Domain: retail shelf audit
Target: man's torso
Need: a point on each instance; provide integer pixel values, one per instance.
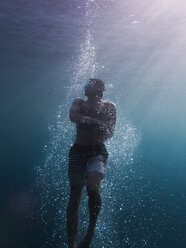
(91, 134)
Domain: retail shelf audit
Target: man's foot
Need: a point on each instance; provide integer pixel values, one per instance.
(83, 244)
(86, 240)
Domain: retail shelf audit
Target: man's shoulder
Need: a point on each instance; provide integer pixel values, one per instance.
(109, 104)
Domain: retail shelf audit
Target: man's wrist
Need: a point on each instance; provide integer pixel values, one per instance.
(85, 120)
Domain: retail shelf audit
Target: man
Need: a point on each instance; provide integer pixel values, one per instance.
(95, 122)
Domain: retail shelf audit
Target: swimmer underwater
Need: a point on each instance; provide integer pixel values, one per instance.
(95, 123)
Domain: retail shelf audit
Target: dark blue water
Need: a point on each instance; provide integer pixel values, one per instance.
(48, 50)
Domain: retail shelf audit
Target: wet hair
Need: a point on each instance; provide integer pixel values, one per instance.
(99, 86)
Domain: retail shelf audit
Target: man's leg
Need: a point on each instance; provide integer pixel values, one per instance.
(72, 215)
(94, 203)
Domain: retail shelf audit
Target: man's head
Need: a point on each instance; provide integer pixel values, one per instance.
(94, 88)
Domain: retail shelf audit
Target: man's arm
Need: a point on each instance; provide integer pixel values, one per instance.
(75, 115)
(111, 119)
(107, 126)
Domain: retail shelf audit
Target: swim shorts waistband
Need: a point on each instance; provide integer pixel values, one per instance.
(89, 148)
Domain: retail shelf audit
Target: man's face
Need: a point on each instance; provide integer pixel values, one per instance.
(90, 89)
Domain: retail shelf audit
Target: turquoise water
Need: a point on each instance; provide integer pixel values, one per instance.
(48, 50)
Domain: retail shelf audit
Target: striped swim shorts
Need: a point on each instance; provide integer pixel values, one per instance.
(84, 159)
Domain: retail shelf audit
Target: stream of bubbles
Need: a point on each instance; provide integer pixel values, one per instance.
(51, 175)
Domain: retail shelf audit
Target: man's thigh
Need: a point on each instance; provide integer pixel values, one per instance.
(76, 168)
(93, 180)
(75, 194)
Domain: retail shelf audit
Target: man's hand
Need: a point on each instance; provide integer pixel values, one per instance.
(75, 115)
(101, 124)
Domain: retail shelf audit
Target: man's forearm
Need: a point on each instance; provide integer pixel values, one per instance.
(79, 118)
(102, 126)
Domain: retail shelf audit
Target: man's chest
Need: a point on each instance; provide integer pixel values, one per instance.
(93, 110)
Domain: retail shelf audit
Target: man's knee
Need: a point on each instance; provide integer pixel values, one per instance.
(93, 181)
(94, 194)
(94, 202)
(75, 196)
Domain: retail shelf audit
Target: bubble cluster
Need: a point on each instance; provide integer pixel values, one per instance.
(51, 175)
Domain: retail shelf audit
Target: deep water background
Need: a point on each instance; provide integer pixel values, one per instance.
(48, 49)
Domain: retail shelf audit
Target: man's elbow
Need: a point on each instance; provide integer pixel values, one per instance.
(110, 134)
(72, 117)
